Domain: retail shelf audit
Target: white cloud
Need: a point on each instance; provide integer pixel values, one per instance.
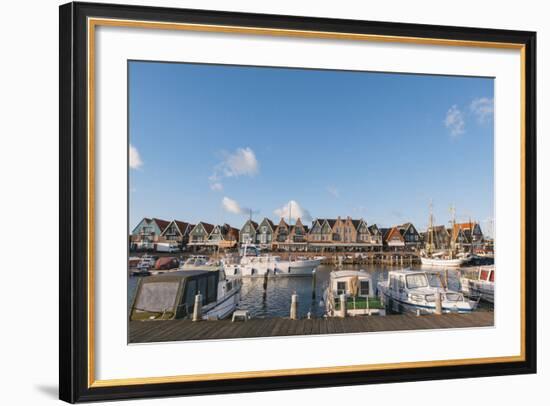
(232, 206)
(217, 186)
(333, 191)
(135, 158)
(293, 209)
(483, 108)
(454, 121)
(242, 162)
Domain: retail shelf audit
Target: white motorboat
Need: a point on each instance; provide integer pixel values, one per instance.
(174, 296)
(356, 288)
(412, 291)
(199, 263)
(481, 285)
(146, 263)
(252, 264)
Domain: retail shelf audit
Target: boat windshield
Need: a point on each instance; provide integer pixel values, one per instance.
(418, 280)
(157, 296)
(454, 297)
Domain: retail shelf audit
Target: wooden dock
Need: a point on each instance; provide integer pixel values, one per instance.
(184, 330)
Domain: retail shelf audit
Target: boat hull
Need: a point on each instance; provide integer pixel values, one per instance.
(474, 288)
(443, 263)
(224, 307)
(275, 268)
(446, 306)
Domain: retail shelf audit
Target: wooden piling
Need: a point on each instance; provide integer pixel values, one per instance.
(294, 307)
(343, 305)
(438, 305)
(197, 309)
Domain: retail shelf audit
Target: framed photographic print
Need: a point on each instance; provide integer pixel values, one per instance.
(258, 202)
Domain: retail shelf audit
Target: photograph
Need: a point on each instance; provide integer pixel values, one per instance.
(285, 201)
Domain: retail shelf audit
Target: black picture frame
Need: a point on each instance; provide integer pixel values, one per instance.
(74, 200)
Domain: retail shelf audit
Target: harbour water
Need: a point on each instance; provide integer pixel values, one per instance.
(271, 298)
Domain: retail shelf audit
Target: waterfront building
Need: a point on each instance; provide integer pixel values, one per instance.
(281, 232)
(410, 236)
(376, 236)
(323, 231)
(291, 237)
(264, 233)
(441, 237)
(298, 232)
(223, 236)
(247, 234)
(147, 233)
(393, 239)
(343, 234)
(464, 235)
(199, 234)
(177, 231)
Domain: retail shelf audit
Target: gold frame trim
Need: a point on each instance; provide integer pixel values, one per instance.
(94, 22)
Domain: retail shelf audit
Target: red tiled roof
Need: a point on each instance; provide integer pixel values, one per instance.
(182, 225)
(161, 223)
(207, 226)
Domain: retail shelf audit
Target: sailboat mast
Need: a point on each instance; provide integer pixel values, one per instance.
(430, 247)
(289, 221)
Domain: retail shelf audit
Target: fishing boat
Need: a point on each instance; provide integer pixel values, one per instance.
(356, 288)
(415, 291)
(444, 258)
(480, 285)
(174, 296)
(251, 263)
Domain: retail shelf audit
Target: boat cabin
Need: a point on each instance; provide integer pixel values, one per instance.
(351, 283)
(486, 273)
(173, 296)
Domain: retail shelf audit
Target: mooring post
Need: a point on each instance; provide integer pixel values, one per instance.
(446, 279)
(343, 305)
(438, 306)
(313, 283)
(197, 310)
(294, 307)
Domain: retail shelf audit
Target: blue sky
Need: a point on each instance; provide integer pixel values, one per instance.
(213, 142)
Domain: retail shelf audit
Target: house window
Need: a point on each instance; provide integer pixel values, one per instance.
(364, 288)
(340, 288)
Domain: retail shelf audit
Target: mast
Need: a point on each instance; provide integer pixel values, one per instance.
(430, 245)
(289, 221)
(453, 226)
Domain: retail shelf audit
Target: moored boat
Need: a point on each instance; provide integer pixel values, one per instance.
(446, 258)
(443, 261)
(199, 263)
(174, 296)
(252, 264)
(481, 285)
(356, 289)
(413, 291)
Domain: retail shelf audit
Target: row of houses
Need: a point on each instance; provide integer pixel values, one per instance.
(153, 231)
(323, 234)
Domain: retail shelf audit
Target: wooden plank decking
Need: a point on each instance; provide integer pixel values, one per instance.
(184, 330)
